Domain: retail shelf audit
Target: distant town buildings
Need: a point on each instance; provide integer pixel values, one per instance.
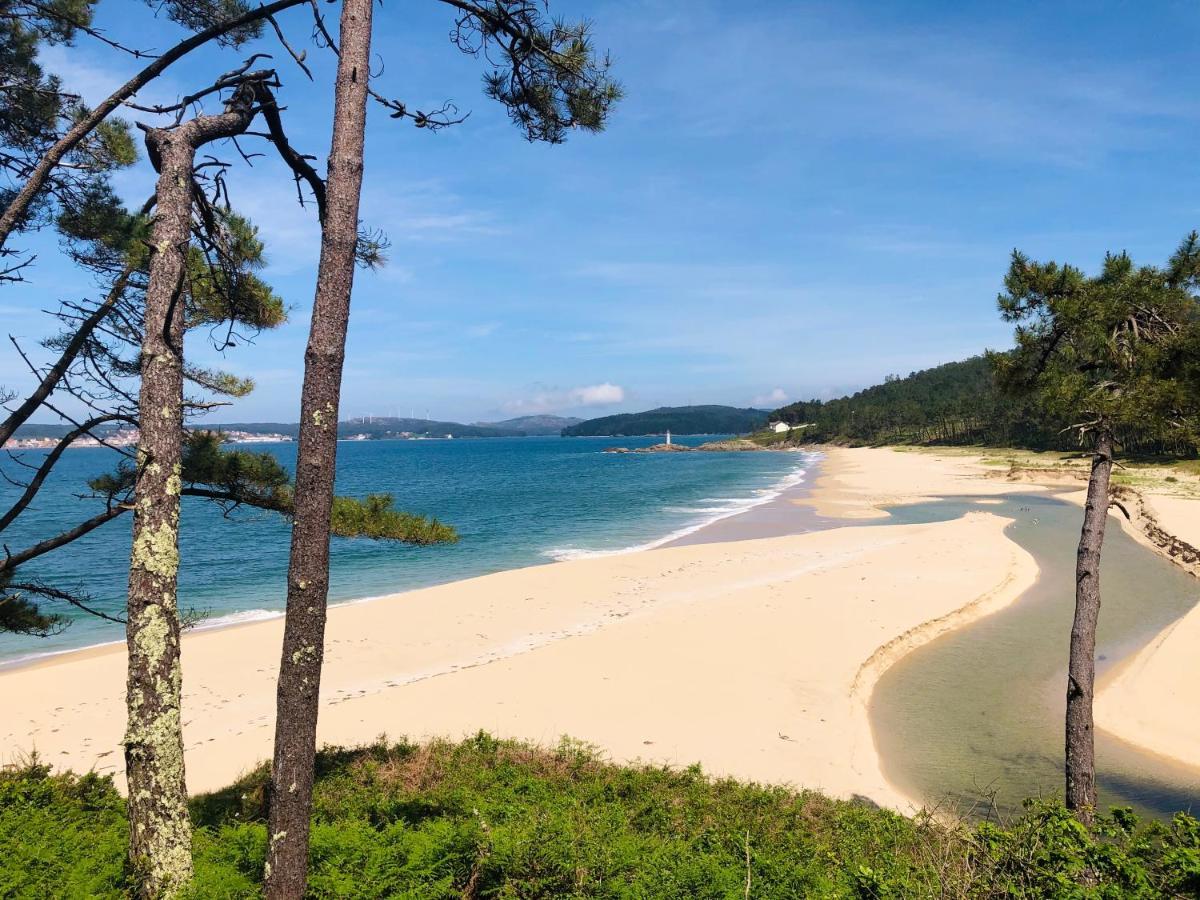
(128, 437)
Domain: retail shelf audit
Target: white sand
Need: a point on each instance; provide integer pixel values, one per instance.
(754, 658)
(1153, 699)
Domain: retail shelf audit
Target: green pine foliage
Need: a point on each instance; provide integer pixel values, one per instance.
(490, 818)
(550, 76)
(955, 403)
(35, 110)
(1114, 352)
(375, 517)
(232, 291)
(233, 478)
(197, 15)
(19, 614)
(1120, 348)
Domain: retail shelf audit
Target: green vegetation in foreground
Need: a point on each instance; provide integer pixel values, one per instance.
(676, 419)
(488, 818)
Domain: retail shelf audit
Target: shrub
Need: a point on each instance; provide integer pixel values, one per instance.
(490, 818)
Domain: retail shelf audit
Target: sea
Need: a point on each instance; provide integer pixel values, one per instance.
(515, 502)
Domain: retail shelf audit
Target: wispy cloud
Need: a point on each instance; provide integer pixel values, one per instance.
(483, 329)
(85, 74)
(963, 87)
(776, 397)
(426, 211)
(554, 400)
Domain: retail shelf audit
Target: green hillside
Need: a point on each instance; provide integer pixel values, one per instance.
(958, 402)
(955, 403)
(676, 419)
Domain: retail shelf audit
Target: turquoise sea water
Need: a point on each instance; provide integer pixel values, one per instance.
(515, 501)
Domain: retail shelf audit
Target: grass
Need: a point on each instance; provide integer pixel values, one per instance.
(771, 439)
(1159, 475)
(489, 818)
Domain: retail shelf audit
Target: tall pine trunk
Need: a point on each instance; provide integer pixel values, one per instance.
(299, 685)
(160, 836)
(1081, 672)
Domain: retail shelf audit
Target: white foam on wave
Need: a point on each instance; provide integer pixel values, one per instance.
(719, 508)
(238, 618)
(15, 661)
(729, 507)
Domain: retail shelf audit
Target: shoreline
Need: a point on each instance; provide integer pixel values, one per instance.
(1146, 699)
(736, 509)
(780, 491)
(578, 647)
(774, 492)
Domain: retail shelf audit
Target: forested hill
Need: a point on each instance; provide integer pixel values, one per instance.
(955, 403)
(676, 419)
(540, 425)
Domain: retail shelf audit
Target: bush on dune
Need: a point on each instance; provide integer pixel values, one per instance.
(489, 818)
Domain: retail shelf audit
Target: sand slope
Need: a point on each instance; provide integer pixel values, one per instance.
(1152, 700)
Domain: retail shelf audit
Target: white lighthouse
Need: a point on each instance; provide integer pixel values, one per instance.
(668, 437)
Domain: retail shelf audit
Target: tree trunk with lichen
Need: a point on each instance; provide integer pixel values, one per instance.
(1081, 672)
(160, 838)
(298, 692)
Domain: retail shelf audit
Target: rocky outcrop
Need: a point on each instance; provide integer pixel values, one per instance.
(727, 446)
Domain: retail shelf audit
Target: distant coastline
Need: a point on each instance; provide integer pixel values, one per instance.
(511, 516)
(685, 420)
(129, 438)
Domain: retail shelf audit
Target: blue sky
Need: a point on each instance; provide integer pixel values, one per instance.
(794, 200)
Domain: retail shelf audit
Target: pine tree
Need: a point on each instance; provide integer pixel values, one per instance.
(1113, 354)
(552, 82)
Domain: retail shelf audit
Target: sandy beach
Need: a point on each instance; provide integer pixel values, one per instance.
(1151, 700)
(755, 658)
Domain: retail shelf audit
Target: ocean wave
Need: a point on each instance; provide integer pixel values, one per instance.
(738, 505)
(729, 507)
(14, 661)
(238, 618)
(704, 512)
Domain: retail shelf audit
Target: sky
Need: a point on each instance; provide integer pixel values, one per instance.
(793, 200)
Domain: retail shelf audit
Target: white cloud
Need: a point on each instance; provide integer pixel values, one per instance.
(604, 394)
(597, 394)
(777, 397)
(426, 211)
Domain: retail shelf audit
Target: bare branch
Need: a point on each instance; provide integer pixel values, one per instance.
(20, 204)
(48, 463)
(56, 372)
(45, 590)
(12, 560)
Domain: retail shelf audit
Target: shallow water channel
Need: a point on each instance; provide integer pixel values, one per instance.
(979, 712)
